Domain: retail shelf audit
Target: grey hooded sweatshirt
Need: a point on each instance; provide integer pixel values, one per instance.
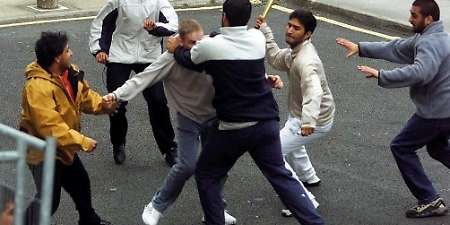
(427, 72)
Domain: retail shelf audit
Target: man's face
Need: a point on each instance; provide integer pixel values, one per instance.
(295, 33)
(189, 40)
(417, 20)
(64, 60)
(7, 216)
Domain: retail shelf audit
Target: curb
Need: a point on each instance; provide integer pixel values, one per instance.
(49, 16)
(373, 21)
(65, 14)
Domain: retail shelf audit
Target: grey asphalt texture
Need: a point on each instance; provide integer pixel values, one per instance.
(361, 184)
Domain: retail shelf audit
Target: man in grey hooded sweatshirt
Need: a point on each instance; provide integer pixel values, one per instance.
(427, 74)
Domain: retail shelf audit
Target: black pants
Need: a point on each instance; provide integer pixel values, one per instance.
(116, 75)
(262, 141)
(75, 181)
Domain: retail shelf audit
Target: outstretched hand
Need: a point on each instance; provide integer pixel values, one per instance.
(369, 71)
(352, 48)
(109, 103)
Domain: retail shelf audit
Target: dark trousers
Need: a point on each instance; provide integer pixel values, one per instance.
(75, 181)
(116, 75)
(420, 132)
(262, 141)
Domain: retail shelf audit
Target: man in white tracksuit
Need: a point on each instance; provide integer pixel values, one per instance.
(126, 36)
(311, 104)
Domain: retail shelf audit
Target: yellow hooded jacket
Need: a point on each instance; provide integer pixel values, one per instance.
(47, 110)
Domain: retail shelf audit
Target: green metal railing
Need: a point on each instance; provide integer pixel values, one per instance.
(24, 140)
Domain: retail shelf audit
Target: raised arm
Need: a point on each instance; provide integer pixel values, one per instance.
(154, 73)
(424, 68)
(275, 56)
(167, 23)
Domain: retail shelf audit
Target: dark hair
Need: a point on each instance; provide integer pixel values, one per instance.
(6, 196)
(306, 18)
(428, 8)
(238, 12)
(49, 46)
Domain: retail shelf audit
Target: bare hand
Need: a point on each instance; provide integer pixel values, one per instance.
(149, 24)
(351, 47)
(369, 71)
(101, 57)
(260, 21)
(109, 103)
(275, 81)
(172, 43)
(92, 144)
(306, 131)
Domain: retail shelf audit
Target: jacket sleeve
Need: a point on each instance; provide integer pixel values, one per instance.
(41, 107)
(312, 94)
(168, 20)
(425, 67)
(396, 51)
(103, 27)
(154, 73)
(275, 56)
(184, 58)
(91, 101)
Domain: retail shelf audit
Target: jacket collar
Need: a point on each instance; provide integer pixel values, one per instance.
(435, 27)
(233, 30)
(299, 47)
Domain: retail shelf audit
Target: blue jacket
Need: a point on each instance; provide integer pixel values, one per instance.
(427, 72)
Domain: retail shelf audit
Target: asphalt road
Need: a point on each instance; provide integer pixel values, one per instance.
(361, 184)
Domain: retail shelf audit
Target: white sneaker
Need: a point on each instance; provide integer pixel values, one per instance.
(229, 219)
(150, 215)
(288, 213)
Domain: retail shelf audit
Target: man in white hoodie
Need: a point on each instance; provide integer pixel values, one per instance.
(126, 36)
(311, 105)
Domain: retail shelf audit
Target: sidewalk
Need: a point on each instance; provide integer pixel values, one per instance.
(396, 11)
(14, 11)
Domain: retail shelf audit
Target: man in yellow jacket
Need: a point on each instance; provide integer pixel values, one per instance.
(53, 98)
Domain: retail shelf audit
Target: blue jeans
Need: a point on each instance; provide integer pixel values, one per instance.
(417, 133)
(188, 133)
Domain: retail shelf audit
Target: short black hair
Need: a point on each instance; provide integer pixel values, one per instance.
(49, 46)
(428, 8)
(238, 12)
(306, 18)
(6, 196)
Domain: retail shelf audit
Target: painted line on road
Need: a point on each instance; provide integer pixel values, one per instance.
(92, 17)
(344, 25)
(277, 7)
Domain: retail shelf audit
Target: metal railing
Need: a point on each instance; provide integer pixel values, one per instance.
(19, 155)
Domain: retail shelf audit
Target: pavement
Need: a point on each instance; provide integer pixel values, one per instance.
(361, 184)
(379, 13)
(386, 12)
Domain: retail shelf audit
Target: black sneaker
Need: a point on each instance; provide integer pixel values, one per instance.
(171, 156)
(315, 184)
(434, 208)
(119, 154)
